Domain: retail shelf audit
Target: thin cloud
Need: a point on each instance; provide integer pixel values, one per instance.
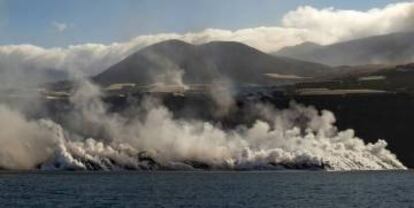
(60, 26)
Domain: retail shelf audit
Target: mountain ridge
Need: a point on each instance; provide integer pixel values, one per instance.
(394, 48)
(204, 63)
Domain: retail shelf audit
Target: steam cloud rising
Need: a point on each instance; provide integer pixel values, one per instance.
(298, 137)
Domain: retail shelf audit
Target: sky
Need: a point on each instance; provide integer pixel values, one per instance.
(59, 23)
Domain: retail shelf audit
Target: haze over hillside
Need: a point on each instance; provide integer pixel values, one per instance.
(205, 63)
(29, 77)
(395, 48)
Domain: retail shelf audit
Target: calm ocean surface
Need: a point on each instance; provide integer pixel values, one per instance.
(208, 189)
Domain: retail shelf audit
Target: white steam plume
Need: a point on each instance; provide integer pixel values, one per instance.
(222, 93)
(298, 137)
(170, 77)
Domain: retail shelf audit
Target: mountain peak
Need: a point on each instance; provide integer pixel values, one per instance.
(171, 42)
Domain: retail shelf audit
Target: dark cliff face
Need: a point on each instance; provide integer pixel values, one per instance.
(203, 63)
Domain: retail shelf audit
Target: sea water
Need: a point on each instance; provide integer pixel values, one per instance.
(208, 189)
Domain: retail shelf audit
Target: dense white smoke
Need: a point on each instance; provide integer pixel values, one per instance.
(24, 144)
(323, 26)
(298, 137)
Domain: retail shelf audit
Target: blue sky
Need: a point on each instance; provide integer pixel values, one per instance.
(105, 21)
